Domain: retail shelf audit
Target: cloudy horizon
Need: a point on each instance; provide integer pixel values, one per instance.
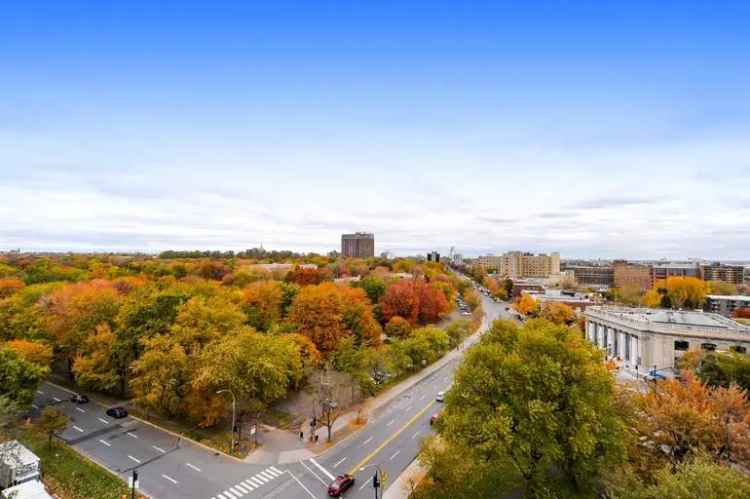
(588, 131)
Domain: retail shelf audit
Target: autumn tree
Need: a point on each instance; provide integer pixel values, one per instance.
(472, 299)
(374, 286)
(161, 376)
(327, 313)
(724, 369)
(305, 276)
(558, 313)
(538, 403)
(682, 292)
(721, 288)
(398, 327)
(400, 299)
(38, 352)
(52, 421)
(458, 330)
(688, 416)
(526, 305)
(10, 286)
(262, 302)
(202, 320)
(95, 367)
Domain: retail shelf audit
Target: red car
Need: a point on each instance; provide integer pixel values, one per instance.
(434, 418)
(340, 485)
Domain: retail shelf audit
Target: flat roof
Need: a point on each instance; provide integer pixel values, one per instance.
(690, 318)
(729, 297)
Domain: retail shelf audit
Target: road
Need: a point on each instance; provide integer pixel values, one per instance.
(170, 468)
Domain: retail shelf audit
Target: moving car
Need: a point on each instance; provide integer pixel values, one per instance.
(117, 412)
(434, 418)
(340, 485)
(79, 398)
(440, 397)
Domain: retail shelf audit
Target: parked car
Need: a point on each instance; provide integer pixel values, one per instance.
(79, 398)
(340, 485)
(117, 412)
(440, 397)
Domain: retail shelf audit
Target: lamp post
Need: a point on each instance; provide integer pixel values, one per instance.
(234, 411)
(376, 481)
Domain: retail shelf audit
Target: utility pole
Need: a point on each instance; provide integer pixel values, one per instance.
(134, 484)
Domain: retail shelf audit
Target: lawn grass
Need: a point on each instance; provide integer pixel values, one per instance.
(70, 475)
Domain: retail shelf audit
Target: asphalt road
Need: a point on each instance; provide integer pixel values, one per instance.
(172, 469)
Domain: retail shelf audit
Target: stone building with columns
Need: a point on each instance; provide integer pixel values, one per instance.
(644, 339)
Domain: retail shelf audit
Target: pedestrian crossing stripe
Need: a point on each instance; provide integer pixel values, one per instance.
(246, 486)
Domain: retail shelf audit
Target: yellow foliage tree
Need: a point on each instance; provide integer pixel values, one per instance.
(526, 305)
(37, 352)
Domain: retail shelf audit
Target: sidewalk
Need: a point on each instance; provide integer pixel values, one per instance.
(406, 482)
(282, 447)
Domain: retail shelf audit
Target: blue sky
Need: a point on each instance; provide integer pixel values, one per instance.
(590, 128)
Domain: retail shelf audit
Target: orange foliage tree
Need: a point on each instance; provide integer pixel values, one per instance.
(37, 352)
(689, 416)
(306, 276)
(326, 313)
(526, 305)
(10, 286)
(262, 302)
(559, 313)
(415, 300)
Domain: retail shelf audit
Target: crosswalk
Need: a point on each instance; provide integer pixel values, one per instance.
(246, 486)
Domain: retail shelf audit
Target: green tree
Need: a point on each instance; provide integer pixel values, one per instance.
(538, 401)
(51, 421)
(19, 379)
(374, 286)
(161, 376)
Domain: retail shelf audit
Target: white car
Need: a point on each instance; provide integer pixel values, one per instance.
(440, 397)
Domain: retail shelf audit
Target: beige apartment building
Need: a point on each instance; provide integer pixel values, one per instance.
(628, 274)
(517, 264)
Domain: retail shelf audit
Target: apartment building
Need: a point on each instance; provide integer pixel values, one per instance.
(358, 245)
(593, 275)
(518, 265)
(627, 274)
(734, 274)
(726, 305)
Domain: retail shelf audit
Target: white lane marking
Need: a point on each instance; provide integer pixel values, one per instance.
(132, 435)
(339, 461)
(272, 472)
(391, 422)
(249, 484)
(257, 482)
(276, 469)
(415, 435)
(367, 482)
(56, 399)
(80, 410)
(159, 449)
(40, 392)
(134, 459)
(366, 442)
(230, 495)
(105, 443)
(327, 473)
(193, 467)
(394, 455)
(313, 473)
(300, 484)
(267, 475)
(408, 409)
(78, 429)
(103, 420)
(35, 406)
(261, 478)
(167, 477)
(422, 397)
(236, 491)
(221, 496)
(241, 488)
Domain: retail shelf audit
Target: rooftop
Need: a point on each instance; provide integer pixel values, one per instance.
(729, 297)
(688, 319)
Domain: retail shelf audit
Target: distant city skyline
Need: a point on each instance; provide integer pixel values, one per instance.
(594, 131)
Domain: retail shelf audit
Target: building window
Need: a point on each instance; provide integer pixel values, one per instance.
(681, 346)
(738, 349)
(708, 346)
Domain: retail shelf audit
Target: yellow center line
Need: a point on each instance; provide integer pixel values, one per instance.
(389, 439)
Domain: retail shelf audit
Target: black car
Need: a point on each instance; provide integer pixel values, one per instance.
(117, 412)
(79, 398)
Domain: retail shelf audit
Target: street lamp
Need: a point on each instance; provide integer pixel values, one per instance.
(234, 411)
(376, 481)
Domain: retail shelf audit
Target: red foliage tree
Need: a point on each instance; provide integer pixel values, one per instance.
(307, 276)
(415, 300)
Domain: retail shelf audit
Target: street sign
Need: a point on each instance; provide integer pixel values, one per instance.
(130, 483)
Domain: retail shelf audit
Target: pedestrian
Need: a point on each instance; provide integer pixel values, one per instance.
(316, 438)
(301, 435)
